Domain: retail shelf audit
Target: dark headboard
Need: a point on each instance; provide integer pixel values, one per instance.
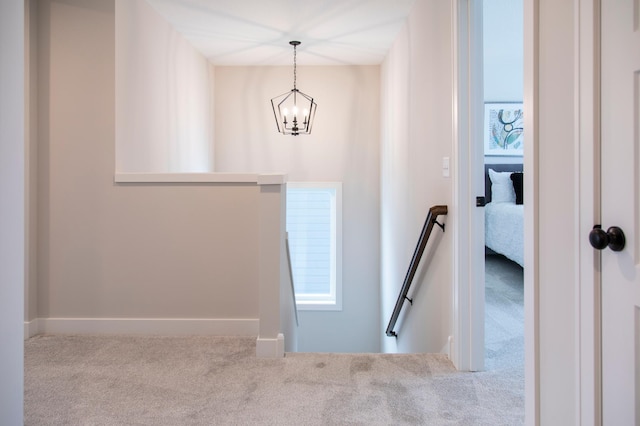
(497, 168)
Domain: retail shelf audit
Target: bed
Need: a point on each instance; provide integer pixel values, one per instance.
(504, 211)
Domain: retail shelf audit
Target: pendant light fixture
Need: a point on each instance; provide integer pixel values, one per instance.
(294, 111)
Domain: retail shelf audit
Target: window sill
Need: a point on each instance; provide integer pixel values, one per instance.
(315, 306)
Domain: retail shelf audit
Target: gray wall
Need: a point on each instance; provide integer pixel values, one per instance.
(122, 250)
(416, 134)
(503, 50)
(344, 146)
(503, 57)
(163, 106)
(184, 251)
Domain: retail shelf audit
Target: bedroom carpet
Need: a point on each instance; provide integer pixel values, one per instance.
(504, 315)
(134, 380)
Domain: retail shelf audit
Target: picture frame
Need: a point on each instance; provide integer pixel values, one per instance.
(504, 129)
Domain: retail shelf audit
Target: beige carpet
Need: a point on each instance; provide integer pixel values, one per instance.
(125, 380)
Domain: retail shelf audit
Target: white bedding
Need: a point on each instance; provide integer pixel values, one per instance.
(504, 230)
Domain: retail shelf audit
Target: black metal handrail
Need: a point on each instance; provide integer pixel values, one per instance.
(431, 220)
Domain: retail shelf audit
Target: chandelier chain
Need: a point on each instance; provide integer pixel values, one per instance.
(294, 66)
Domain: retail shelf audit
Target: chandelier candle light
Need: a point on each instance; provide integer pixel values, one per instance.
(288, 107)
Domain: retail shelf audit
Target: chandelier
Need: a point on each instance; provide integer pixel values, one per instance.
(294, 110)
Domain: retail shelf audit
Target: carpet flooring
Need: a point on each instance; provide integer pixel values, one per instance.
(504, 314)
(141, 380)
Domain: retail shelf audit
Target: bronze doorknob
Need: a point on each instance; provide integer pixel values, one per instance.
(613, 238)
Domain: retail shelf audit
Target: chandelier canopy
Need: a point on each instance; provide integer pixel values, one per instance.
(294, 111)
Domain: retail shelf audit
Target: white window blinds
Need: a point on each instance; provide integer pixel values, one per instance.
(313, 228)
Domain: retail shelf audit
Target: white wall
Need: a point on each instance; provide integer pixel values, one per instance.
(417, 128)
(125, 250)
(163, 108)
(503, 50)
(12, 209)
(344, 146)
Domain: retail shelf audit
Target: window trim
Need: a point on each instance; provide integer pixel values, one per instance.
(320, 302)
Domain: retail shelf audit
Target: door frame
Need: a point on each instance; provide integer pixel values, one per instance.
(13, 198)
(467, 348)
(587, 175)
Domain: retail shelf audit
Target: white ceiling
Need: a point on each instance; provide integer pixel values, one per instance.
(257, 32)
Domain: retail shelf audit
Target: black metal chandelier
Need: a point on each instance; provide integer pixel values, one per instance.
(294, 110)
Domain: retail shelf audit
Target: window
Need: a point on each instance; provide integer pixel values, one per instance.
(314, 228)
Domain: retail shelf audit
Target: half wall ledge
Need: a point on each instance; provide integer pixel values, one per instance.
(270, 188)
(256, 178)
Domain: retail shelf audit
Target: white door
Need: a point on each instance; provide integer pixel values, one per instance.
(620, 206)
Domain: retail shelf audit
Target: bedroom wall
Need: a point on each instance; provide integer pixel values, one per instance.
(503, 50)
(344, 146)
(416, 88)
(163, 96)
(126, 250)
(503, 57)
(503, 53)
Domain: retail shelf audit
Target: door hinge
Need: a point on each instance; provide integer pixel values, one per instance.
(480, 202)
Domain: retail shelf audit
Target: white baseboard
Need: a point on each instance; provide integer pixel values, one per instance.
(31, 328)
(270, 348)
(149, 326)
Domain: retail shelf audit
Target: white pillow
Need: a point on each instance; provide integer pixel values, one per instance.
(501, 187)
